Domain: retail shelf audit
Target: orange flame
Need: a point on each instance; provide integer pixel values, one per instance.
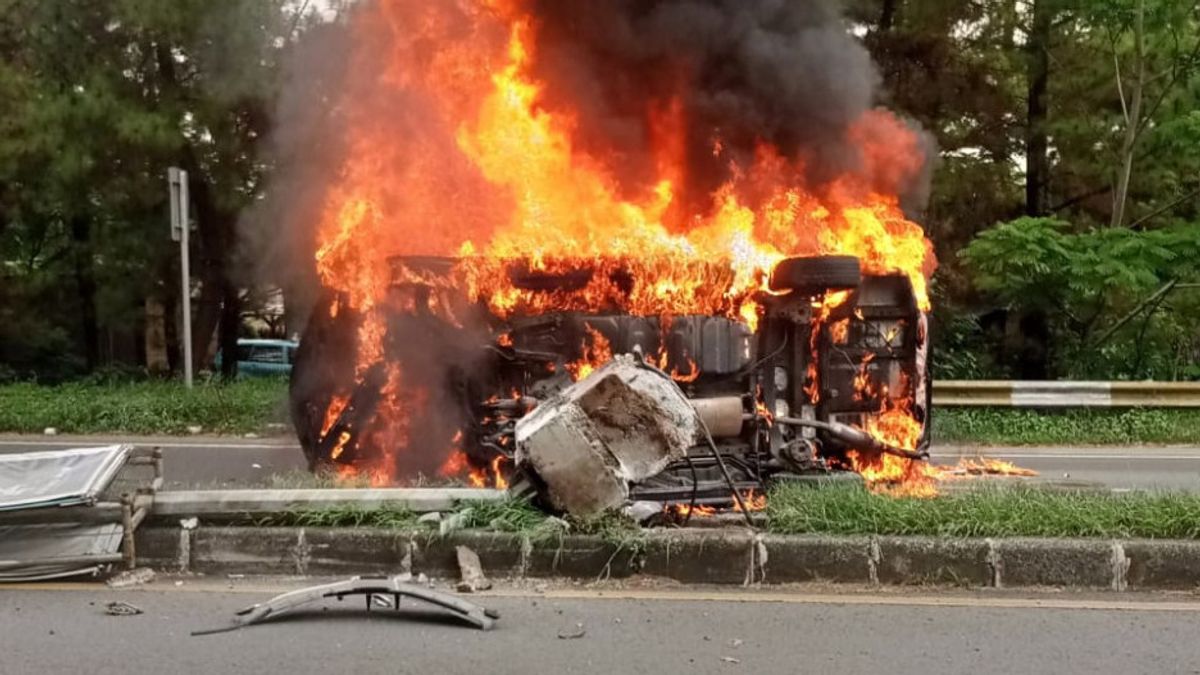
(537, 196)
(597, 351)
(486, 174)
(336, 405)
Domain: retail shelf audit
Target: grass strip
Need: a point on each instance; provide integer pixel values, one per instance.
(147, 407)
(1007, 426)
(513, 515)
(344, 515)
(986, 512)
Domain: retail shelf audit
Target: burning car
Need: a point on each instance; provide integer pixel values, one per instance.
(832, 377)
(525, 190)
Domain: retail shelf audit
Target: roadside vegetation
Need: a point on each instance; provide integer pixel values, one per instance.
(144, 407)
(1006, 426)
(255, 405)
(1063, 211)
(507, 515)
(986, 512)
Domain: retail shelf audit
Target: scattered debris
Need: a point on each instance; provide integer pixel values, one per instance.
(730, 659)
(390, 589)
(134, 577)
(189, 523)
(118, 608)
(735, 643)
(471, 570)
(431, 518)
(575, 634)
(50, 431)
(455, 521)
(621, 424)
(642, 511)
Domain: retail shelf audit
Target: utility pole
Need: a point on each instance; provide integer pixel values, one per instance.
(177, 184)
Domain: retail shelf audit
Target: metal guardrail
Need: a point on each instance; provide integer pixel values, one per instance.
(1065, 394)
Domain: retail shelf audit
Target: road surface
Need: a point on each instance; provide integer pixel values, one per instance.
(238, 462)
(620, 631)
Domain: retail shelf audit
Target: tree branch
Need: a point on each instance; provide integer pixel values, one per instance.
(1163, 209)
(1120, 89)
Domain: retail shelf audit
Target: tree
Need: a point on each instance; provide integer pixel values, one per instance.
(1155, 55)
(109, 93)
(1082, 281)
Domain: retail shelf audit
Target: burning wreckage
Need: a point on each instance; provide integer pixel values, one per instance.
(617, 251)
(598, 408)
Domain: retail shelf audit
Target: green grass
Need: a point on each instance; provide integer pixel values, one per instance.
(986, 512)
(997, 426)
(249, 405)
(148, 407)
(347, 515)
(832, 509)
(507, 515)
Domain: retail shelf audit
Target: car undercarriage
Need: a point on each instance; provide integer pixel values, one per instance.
(828, 378)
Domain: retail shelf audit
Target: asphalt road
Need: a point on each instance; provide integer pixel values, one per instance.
(238, 462)
(626, 631)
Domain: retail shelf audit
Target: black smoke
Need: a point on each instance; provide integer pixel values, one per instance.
(784, 72)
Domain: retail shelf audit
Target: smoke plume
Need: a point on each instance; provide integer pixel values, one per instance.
(779, 72)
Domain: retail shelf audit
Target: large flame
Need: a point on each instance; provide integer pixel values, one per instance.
(447, 151)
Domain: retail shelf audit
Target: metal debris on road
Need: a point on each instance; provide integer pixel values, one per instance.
(118, 608)
(390, 589)
(134, 577)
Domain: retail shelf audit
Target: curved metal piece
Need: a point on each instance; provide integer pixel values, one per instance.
(370, 587)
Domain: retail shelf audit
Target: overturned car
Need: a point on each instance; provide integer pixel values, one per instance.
(828, 375)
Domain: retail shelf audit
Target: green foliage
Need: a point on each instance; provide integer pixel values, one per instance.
(506, 515)
(345, 515)
(985, 512)
(1086, 280)
(1040, 263)
(961, 351)
(1007, 426)
(97, 99)
(150, 407)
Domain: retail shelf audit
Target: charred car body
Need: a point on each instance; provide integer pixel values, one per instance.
(831, 378)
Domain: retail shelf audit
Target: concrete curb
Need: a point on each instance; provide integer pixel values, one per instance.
(234, 504)
(709, 556)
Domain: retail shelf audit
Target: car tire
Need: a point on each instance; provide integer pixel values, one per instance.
(816, 274)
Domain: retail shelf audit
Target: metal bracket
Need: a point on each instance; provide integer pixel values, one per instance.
(378, 591)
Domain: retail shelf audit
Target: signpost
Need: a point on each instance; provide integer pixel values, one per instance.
(177, 183)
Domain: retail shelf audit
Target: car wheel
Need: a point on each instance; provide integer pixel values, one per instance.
(816, 274)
